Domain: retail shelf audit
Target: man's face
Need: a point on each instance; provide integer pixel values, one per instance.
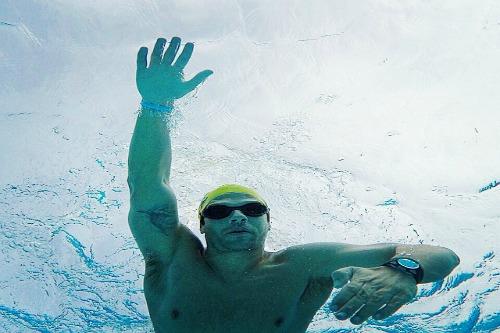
(223, 233)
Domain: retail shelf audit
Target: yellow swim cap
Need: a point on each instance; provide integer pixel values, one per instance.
(227, 188)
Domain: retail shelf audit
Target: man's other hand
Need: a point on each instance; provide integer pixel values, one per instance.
(370, 289)
(162, 82)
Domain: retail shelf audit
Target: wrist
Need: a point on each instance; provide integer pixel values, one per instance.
(164, 107)
(407, 265)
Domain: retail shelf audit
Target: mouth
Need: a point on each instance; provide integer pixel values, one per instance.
(238, 232)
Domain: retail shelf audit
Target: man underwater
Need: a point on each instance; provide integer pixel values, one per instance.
(234, 285)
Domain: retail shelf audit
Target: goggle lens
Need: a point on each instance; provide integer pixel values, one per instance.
(220, 211)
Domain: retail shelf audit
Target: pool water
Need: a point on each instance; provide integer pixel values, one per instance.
(358, 122)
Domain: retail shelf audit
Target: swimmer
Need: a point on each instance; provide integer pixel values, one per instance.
(234, 285)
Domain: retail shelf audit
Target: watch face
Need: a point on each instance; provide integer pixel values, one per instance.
(408, 263)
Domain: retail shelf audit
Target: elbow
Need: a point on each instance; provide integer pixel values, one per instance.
(443, 266)
(456, 259)
(453, 259)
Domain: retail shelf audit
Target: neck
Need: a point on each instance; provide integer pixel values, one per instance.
(234, 265)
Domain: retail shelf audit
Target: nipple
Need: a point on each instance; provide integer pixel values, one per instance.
(174, 314)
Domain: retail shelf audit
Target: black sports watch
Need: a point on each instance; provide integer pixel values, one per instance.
(407, 265)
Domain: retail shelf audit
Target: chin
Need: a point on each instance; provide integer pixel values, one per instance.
(242, 246)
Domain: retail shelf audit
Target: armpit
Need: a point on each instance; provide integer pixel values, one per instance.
(153, 269)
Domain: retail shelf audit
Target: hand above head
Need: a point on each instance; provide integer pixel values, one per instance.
(162, 82)
(373, 288)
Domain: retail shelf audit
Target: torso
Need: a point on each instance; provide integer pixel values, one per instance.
(189, 297)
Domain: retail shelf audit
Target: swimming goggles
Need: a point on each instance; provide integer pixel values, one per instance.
(220, 211)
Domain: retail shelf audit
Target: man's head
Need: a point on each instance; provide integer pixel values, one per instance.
(234, 217)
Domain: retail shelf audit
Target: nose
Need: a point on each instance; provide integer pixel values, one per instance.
(237, 217)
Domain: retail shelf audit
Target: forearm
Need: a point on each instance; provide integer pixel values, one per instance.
(437, 262)
(150, 152)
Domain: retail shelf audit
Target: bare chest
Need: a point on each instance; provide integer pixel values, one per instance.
(277, 299)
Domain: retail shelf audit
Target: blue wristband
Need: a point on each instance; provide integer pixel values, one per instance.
(157, 107)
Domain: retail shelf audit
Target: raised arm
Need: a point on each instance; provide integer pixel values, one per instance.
(161, 83)
(153, 216)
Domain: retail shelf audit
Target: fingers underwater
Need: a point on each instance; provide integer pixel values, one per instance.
(198, 78)
(142, 58)
(366, 311)
(341, 276)
(344, 296)
(160, 58)
(157, 52)
(390, 308)
(185, 56)
(172, 49)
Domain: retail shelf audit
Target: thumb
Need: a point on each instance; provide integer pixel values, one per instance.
(198, 78)
(341, 276)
